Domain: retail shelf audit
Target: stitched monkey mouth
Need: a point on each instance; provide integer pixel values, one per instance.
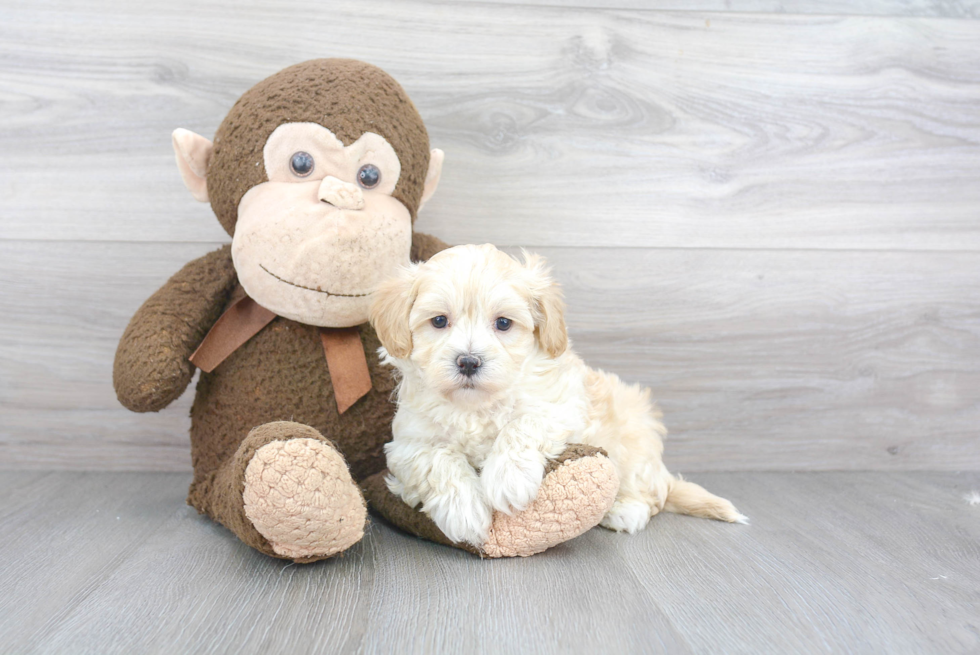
(317, 290)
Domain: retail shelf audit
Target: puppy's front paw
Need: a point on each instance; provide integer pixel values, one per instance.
(462, 514)
(511, 480)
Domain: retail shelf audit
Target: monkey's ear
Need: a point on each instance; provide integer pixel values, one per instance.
(193, 153)
(547, 306)
(436, 158)
(390, 310)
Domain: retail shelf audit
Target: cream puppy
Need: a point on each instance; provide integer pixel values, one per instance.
(489, 391)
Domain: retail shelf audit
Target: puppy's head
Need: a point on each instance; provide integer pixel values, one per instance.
(467, 319)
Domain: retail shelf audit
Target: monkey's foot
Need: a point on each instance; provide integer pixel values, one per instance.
(299, 495)
(578, 489)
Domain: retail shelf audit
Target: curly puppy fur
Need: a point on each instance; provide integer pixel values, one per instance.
(490, 391)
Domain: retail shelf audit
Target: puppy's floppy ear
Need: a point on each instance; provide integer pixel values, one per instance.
(547, 305)
(390, 309)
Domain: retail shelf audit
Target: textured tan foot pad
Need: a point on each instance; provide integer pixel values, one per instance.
(300, 496)
(573, 499)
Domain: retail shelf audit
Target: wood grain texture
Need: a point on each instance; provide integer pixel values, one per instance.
(562, 126)
(832, 562)
(760, 359)
(929, 8)
(773, 219)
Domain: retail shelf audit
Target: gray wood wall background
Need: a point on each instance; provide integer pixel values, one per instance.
(767, 211)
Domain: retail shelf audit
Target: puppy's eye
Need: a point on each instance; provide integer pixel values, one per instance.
(301, 164)
(503, 324)
(440, 322)
(368, 176)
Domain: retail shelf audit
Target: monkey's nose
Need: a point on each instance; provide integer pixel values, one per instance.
(340, 194)
(468, 364)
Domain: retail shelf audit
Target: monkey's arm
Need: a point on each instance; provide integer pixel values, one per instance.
(151, 368)
(424, 246)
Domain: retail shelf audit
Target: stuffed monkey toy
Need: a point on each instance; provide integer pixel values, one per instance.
(317, 174)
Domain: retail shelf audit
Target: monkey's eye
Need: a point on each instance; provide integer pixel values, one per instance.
(368, 176)
(440, 322)
(503, 324)
(301, 164)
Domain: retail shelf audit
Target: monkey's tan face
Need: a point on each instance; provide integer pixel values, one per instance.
(313, 243)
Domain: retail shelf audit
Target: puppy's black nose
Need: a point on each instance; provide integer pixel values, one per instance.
(468, 364)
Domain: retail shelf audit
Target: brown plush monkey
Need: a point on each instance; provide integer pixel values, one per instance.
(317, 173)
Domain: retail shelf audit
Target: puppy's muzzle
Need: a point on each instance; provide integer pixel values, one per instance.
(468, 365)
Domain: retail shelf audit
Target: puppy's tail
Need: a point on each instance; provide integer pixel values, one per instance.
(685, 497)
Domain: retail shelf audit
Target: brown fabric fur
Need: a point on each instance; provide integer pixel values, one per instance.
(394, 510)
(151, 368)
(424, 246)
(573, 452)
(347, 97)
(280, 374)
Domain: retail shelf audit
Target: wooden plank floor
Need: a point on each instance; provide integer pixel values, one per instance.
(832, 562)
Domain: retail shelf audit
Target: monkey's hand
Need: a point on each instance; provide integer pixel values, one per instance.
(151, 368)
